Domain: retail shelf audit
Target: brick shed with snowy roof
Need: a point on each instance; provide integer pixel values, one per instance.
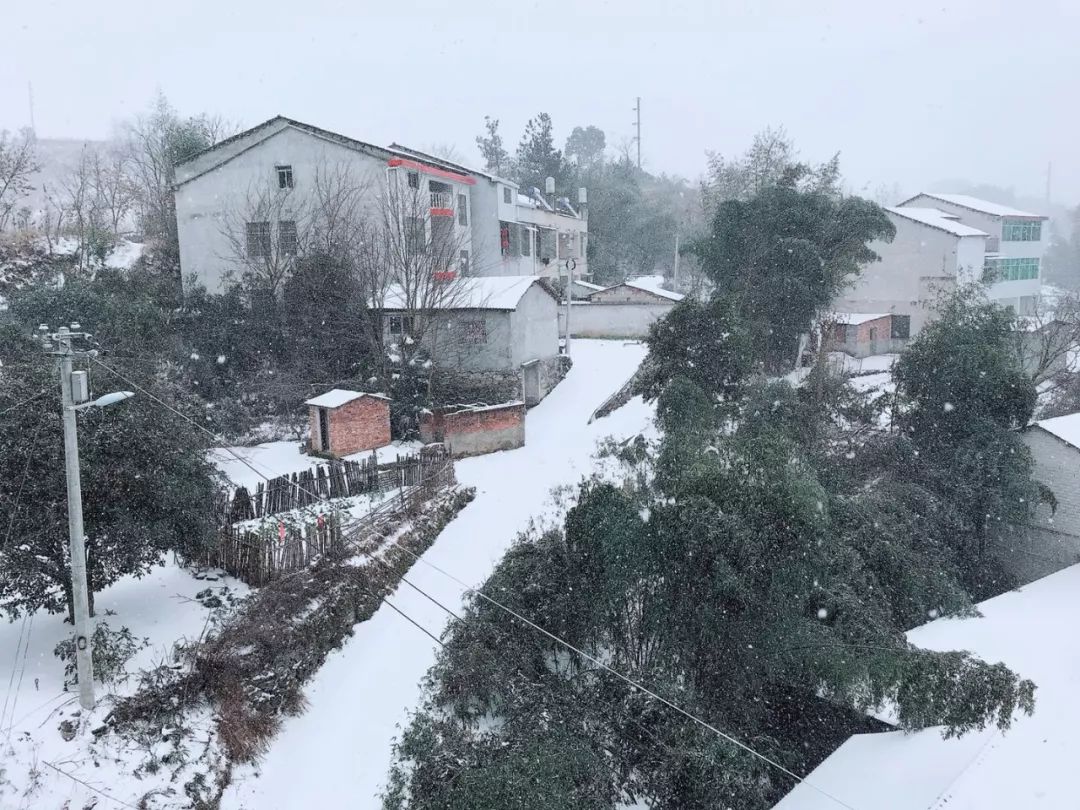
(346, 422)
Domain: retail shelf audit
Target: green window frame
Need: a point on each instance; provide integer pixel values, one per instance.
(1021, 230)
(1022, 269)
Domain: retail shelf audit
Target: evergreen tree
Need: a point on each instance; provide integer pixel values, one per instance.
(537, 158)
(586, 147)
(784, 255)
(496, 158)
(147, 484)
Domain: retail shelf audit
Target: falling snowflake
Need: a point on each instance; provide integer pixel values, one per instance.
(822, 613)
(221, 359)
(948, 406)
(932, 613)
(194, 355)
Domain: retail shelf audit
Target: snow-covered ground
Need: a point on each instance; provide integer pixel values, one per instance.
(337, 753)
(159, 607)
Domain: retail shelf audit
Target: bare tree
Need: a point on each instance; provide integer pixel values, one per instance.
(265, 234)
(156, 142)
(18, 162)
(113, 185)
(85, 214)
(1046, 341)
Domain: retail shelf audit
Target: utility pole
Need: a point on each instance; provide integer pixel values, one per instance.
(637, 125)
(675, 273)
(72, 396)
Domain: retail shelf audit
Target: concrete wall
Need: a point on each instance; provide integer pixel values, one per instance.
(209, 205)
(1007, 292)
(475, 431)
(920, 261)
(535, 327)
(588, 319)
(362, 424)
(1053, 541)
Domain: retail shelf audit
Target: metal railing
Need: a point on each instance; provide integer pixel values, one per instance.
(442, 199)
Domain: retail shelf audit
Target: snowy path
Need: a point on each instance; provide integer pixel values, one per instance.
(338, 752)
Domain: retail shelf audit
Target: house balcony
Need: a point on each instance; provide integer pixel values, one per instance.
(442, 203)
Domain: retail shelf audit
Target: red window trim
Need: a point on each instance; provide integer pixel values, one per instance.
(422, 167)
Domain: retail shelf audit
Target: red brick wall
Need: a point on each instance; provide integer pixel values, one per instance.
(484, 430)
(362, 424)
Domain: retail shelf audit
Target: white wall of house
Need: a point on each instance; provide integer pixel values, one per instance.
(535, 327)
(921, 261)
(211, 203)
(1054, 540)
(1012, 293)
(612, 320)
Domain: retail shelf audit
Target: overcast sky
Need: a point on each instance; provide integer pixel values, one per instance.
(908, 91)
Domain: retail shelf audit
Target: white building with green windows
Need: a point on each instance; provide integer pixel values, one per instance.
(1015, 244)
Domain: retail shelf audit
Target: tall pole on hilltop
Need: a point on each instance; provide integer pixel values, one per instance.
(637, 125)
(79, 593)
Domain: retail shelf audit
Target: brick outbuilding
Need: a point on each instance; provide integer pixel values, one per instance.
(346, 422)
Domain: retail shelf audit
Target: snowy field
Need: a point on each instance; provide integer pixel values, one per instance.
(160, 607)
(337, 753)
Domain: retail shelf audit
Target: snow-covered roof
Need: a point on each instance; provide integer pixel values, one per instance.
(336, 397)
(474, 292)
(856, 318)
(653, 284)
(589, 285)
(1066, 428)
(976, 204)
(936, 218)
(1030, 765)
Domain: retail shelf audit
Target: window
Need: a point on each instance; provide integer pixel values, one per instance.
(442, 235)
(474, 331)
(1001, 269)
(1021, 230)
(400, 324)
(258, 240)
(284, 177)
(463, 262)
(504, 238)
(506, 195)
(462, 210)
(526, 242)
(415, 235)
(584, 252)
(414, 179)
(901, 327)
(286, 234)
(537, 251)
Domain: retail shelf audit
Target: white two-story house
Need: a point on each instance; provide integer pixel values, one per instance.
(1015, 244)
(932, 253)
(245, 200)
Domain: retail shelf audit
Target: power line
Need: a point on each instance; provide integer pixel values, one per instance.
(36, 396)
(412, 621)
(99, 791)
(468, 589)
(628, 680)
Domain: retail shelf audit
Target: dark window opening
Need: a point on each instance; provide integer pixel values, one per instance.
(287, 237)
(463, 262)
(258, 240)
(462, 210)
(506, 195)
(284, 177)
(414, 180)
(901, 327)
